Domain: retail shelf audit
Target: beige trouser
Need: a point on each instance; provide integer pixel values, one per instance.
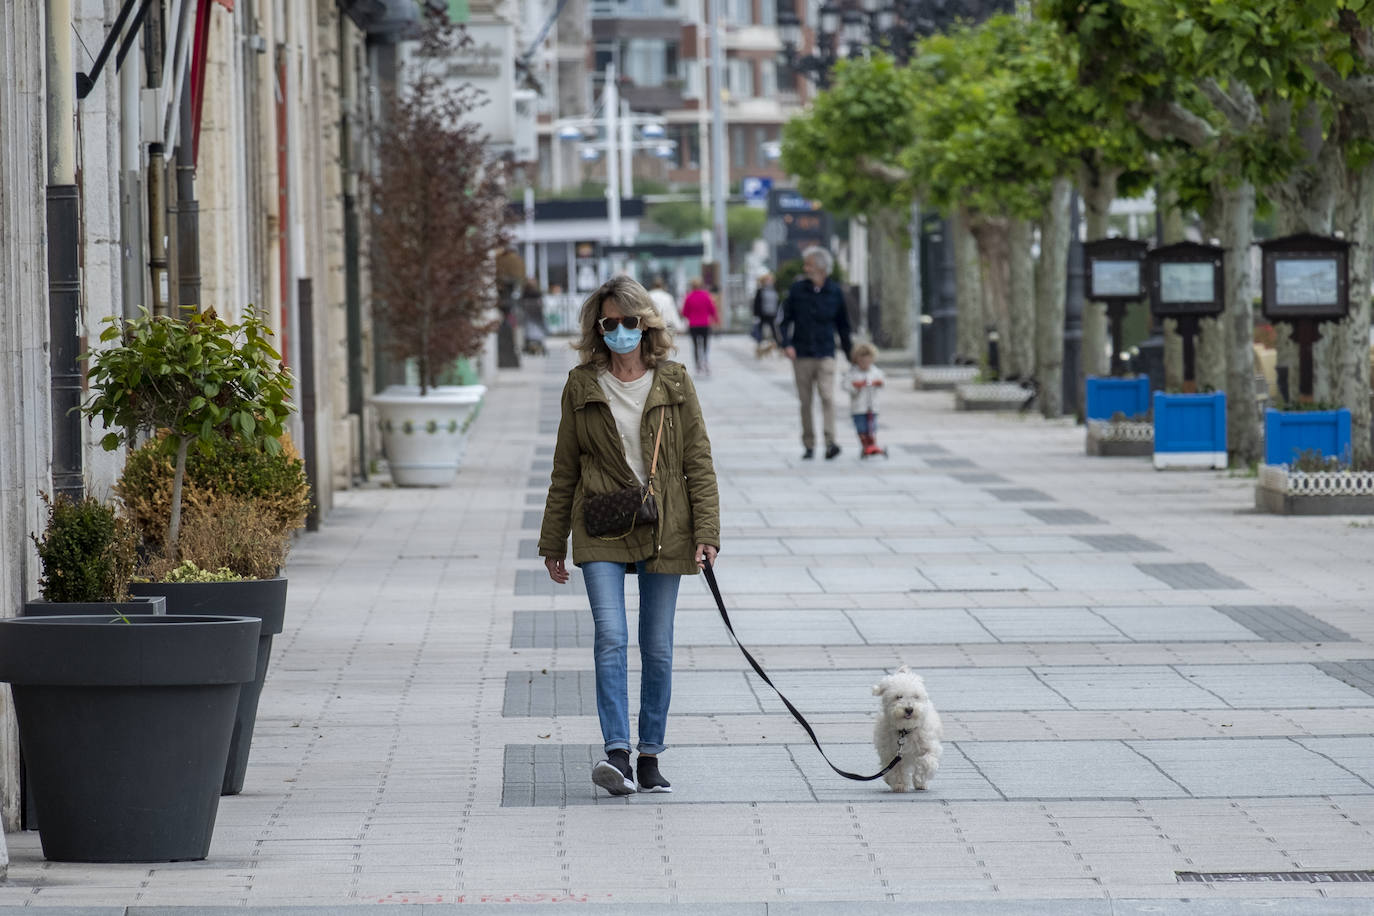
(818, 375)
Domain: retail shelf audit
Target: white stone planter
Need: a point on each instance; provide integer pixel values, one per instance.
(1287, 492)
(1121, 438)
(424, 437)
(942, 378)
(991, 396)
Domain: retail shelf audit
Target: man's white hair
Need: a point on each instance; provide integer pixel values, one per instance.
(820, 256)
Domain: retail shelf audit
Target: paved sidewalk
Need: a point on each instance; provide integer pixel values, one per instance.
(1154, 698)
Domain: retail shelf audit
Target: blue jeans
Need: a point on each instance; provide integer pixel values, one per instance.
(657, 604)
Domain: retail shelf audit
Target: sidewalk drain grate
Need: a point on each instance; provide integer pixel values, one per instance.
(1275, 877)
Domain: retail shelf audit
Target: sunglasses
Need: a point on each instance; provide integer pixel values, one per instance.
(607, 325)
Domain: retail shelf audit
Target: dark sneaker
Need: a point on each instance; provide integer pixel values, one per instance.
(831, 451)
(613, 773)
(809, 454)
(650, 779)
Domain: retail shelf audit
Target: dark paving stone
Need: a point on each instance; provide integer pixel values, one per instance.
(551, 629)
(537, 582)
(1022, 495)
(544, 450)
(544, 775)
(550, 693)
(540, 481)
(532, 521)
(950, 463)
(1189, 575)
(1281, 623)
(1275, 877)
(929, 448)
(979, 477)
(529, 549)
(541, 465)
(1118, 543)
(535, 499)
(1358, 673)
(1065, 517)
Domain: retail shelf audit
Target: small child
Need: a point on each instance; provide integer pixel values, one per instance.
(862, 381)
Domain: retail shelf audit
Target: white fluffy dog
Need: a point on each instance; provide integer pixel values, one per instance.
(908, 725)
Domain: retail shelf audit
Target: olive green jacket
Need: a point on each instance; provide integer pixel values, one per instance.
(589, 459)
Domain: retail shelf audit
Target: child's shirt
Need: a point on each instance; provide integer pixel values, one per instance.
(863, 386)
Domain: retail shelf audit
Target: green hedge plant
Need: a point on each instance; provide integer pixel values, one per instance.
(87, 552)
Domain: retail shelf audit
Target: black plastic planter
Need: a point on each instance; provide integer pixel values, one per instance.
(261, 598)
(154, 604)
(125, 725)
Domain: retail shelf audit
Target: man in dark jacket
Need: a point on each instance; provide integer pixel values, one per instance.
(813, 313)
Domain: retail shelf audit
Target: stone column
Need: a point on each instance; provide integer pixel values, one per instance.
(25, 403)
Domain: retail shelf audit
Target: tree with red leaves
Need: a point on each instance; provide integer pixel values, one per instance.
(440, 217)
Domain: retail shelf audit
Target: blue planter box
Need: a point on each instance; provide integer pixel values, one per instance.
(1108, 396)
(1190, 430)
(1287, 434)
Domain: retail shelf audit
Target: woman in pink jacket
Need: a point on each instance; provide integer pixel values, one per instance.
(701, 313)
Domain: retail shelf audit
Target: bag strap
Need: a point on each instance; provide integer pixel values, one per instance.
(658, 437)
(801, 720)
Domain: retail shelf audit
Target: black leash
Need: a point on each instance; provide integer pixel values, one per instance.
(758, 669)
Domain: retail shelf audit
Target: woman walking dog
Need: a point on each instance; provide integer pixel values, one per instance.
(630, 419)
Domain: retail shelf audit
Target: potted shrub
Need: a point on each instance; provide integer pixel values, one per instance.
(86, 558)
(242, 504)
(440, 217)
(124, 715)
(199, 383)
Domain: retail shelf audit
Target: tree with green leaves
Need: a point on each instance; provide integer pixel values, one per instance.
(197, 378)
(846, 151)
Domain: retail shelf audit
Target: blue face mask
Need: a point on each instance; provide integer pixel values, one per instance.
(622, 340)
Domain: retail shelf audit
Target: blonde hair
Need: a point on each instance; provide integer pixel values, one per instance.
(864, 349)
(632, 299)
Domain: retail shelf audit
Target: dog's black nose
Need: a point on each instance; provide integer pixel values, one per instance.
(910, 709)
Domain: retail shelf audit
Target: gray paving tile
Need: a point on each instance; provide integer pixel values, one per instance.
(1358, 673)
(1119, 543)
(923, 448)
(978, 477)
(1022, 495)
(528, 549)
(950, 463)
(537, 582)
(1282, 623)
(1257, 686)
(1070, 769)
(1250, 767)
(1065, 517)
(532, 521)
(1185, 623)
(1189, 575)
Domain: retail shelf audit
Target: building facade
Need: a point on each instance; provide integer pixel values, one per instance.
(219, 160)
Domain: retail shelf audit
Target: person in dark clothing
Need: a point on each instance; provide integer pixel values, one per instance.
(766, 313)
(813, 314)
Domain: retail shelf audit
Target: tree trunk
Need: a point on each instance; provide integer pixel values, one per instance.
(1243, 434)
(1098, 189)
(170, 548)
(1052, 277)
(1020, 349)
(1350, 348)
(1211, 353)
(970, 330)
(993, 235)
(1173, 231)
(894, 270)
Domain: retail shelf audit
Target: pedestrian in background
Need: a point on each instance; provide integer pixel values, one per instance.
(863, 380)
(630, 417)
(667, 307)
(813, 314)
(766, 313)
(699, 308)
